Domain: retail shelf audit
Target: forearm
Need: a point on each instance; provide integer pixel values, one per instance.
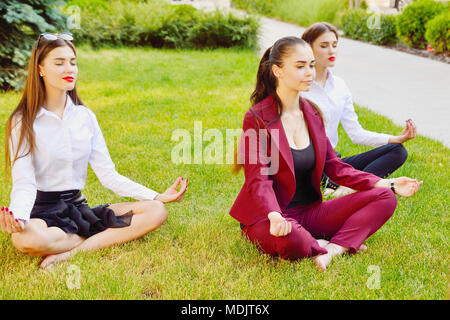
(395, 139)
(382, 183)
(125, 187)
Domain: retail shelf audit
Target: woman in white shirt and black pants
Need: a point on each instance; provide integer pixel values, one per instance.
(333, 97)
(51, 137)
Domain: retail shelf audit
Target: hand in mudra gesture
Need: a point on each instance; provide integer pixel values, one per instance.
(279, 226)
(406, 187)
(409, 132)
(172, 194)
(8, 223)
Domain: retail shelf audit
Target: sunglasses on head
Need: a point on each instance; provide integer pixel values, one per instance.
(54, 36)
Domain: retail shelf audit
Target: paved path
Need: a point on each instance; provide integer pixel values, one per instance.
(395, 84)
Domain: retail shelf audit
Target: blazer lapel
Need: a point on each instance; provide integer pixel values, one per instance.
(269, 113)
(313, 120)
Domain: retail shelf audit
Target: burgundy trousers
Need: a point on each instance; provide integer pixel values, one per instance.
(347, 221)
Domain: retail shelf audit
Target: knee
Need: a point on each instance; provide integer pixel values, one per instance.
(30, 243)
(401, 154)
(384, 194)
(292, 248)
(387, 200)
(157, 213)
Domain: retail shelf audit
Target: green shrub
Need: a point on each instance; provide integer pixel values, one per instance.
(21, 22)
(218, 30)
(354, 24)
(158, 24)
(362, 25)
(386, 34)
(411, 22)
(265, 7)
(438, 32)
(303, 13)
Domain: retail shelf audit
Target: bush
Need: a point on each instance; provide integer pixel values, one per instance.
(218, 30)
(356, 22)
(438, 32)
(158, 24)
(303, 13)
(265, 7)
(386, 34)
(411, 22)
(21, 22)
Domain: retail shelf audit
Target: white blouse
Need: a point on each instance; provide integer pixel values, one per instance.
(335, 101)
(63, 149)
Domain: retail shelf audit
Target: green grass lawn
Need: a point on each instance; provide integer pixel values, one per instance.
(140, 96)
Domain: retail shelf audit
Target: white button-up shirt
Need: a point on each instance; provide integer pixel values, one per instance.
(64, 147)
(335, 101)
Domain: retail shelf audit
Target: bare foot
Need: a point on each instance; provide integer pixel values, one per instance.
(322, 261)
(342, 191)
(50, 260)
(362, 248)
(322, 242)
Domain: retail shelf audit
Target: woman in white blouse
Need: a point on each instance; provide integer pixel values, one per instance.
(51, 137)
(333, 97)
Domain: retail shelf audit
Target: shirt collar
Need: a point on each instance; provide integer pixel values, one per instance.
(42, 111)
(328, 83)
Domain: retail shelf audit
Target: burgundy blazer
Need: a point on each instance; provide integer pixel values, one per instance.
(262, 194)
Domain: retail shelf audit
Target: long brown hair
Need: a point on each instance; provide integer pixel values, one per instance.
(266, 82)
(32, 99)
(316, 30)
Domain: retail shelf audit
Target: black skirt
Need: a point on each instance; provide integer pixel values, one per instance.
(69, 211)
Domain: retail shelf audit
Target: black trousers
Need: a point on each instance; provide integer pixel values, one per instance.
(381, 161)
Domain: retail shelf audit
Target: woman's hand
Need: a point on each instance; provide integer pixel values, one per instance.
(279, 226)
(408, 133)
(406, 187)
(8, 223)
(172, 194)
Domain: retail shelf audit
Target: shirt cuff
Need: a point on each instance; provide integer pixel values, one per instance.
(19, 212)
(148, 194)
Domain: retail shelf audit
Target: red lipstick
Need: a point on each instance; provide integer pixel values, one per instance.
(68, 79)
(332, 58)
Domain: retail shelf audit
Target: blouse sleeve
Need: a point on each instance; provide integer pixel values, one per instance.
(355, 131)
(104, 169)
(23, 193)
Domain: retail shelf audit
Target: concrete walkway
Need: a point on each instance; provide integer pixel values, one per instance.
(395, 84)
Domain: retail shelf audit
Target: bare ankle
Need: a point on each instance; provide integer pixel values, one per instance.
(335, 249)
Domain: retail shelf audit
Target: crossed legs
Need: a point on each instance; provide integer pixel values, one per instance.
(347, 221)
(39, 240)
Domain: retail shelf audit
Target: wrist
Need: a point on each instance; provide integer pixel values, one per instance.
(392, 184)
(273, 215)
(382, 183)
(395, 139)
(159, 197)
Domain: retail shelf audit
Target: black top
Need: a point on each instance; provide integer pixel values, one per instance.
(304, 163)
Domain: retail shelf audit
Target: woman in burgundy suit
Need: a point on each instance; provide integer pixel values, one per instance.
(280, 204)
